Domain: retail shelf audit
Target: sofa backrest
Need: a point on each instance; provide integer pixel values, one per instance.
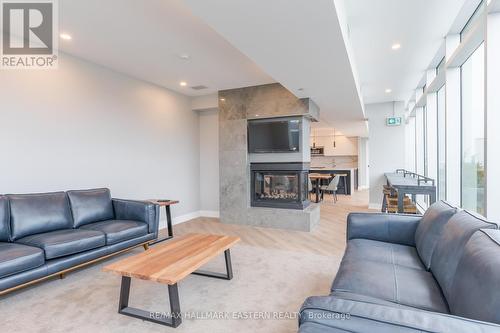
(430, 228)
(91, 206)
(37, 213)
(451, 244)
(475, 290)
(4, 219)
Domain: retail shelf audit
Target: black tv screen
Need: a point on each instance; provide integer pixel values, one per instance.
(274, 135)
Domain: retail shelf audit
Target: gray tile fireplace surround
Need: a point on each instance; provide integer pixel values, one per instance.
(236, 106)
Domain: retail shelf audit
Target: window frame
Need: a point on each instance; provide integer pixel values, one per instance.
(462, 127)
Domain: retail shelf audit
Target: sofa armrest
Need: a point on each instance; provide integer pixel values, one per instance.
(392, 228)
(355, 316)
(143, 211)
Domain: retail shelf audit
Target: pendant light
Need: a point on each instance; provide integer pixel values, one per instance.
(314, 138)
(334, 142)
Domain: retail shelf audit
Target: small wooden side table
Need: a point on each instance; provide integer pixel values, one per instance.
(166, 203)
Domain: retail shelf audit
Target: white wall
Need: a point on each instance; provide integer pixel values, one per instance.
(344, 145)
(85, 126)
(205, 102)
(386, 145)
(363, 163)
(209, 162)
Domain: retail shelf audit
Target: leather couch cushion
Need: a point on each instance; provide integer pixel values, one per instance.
(390, 282)
(391, 228)
(37, 213)
(368, 317)
(17, 258)
(4, 219)
(475, 289)
(451, 244)
(65, 242)
(118, 230)
(430, 228)
(91, 206)
(388, 253)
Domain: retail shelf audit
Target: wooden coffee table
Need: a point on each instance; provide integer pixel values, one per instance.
(169, 263)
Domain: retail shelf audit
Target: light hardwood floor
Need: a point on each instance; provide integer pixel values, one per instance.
(326, 239)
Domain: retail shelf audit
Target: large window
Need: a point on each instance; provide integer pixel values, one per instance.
(449, 132)
(419, 141)
(420, 153)
(473, 140)
(441, 149)
(431, 139)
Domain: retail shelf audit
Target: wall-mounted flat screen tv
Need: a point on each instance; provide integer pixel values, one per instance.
(279, 135)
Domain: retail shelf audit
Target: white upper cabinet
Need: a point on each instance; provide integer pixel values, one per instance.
(344, 145)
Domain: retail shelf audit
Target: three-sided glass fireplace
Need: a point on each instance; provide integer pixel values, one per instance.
(279, 185)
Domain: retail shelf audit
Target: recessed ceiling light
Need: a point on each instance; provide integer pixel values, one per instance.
(388, 91)
(396, 46)
(184, 56)
(65, 36)
(256, 115)
(222, 99)
(183, 83)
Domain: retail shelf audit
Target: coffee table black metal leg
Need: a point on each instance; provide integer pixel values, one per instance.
(173, 320)
(124, 293)
(229, 269)
(175, 305)
(229, 265)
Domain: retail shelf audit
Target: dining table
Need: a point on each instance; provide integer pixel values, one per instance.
(318, 177)
(406, 182)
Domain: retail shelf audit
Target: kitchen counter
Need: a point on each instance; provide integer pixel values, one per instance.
(332, 169)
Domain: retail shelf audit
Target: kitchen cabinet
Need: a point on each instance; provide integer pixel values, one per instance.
(345, 145)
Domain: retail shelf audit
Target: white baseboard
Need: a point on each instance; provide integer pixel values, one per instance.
(209, 213)
(189, 216)
(375, 206)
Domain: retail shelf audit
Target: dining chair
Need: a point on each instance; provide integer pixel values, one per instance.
(331, 187)
(310, 187)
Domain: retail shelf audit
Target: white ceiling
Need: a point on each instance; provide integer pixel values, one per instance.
(300, 44)
(144, 39)
(231, 44)
(418, 25)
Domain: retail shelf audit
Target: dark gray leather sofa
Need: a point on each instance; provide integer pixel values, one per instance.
(401, 273)
(44, 234)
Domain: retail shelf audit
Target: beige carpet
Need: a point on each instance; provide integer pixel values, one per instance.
(265, 280)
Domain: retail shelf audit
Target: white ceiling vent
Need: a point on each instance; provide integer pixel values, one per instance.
(200, 87)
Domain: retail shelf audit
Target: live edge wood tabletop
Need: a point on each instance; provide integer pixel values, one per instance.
(170, 262)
